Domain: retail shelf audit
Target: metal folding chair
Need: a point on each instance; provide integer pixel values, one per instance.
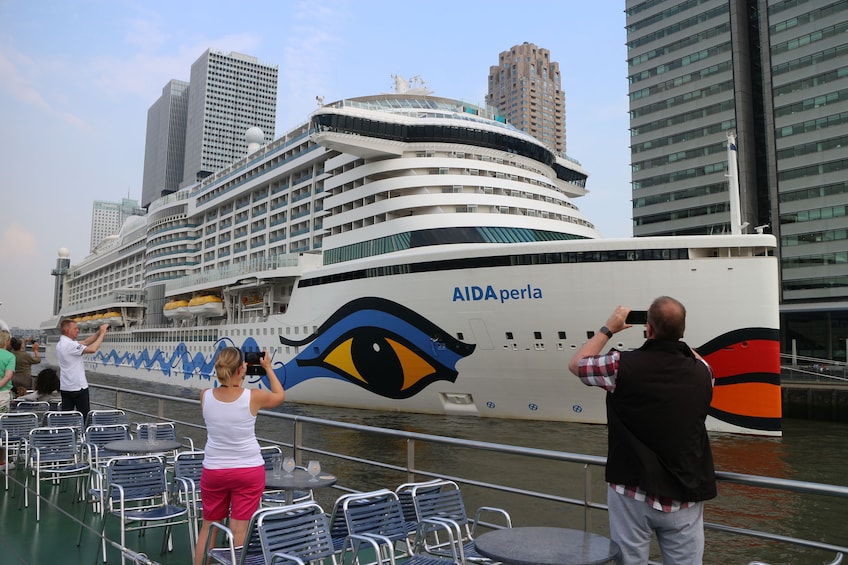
(97, 436)
(37, 406)
(164, 431)
(299, 534)
(65, 419)
(53, 454)
(250, 553)
(107, 418)
(14, 432)
(136, 492)
(442, 500)
(188, 466)
(375, 521)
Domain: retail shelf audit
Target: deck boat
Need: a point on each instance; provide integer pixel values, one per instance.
(756, 516)
(407, 252)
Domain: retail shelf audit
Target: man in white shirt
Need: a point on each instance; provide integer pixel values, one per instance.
(73, 384)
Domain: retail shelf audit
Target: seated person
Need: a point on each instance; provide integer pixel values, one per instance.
(46, 387)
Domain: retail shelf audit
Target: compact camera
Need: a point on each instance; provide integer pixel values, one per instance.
(253, 358)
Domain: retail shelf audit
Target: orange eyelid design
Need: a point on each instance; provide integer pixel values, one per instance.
(342, 358)
(414, 366)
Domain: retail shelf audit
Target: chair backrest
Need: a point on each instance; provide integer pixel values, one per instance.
(100, 435)
(378, 512)
(141, 478)
(164, 430)
(189, 465)
(63, 419)
(37, 406)
(404, 493)
(439, 499)
(53, 445)
(15, 426)
(300, 530)
(268, 452)
(107, 417)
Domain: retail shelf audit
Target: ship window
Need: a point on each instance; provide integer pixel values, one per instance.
(537, 335)
(590, 334)
(561, 334)
(459, 336)
(509, 335)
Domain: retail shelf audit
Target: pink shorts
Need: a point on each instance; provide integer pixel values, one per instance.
(231, 492)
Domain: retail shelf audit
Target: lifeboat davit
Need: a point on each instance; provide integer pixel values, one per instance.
(176, 309)
(206, 306)
(113, 318)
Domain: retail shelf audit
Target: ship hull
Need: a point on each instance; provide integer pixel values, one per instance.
(496, 338)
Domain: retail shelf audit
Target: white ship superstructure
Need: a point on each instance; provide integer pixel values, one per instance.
(410, 252)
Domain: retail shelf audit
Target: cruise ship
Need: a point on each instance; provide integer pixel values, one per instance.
(407, 252)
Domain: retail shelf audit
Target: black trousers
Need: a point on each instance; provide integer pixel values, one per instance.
(77, 400)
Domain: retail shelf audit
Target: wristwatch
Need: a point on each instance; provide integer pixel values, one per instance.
(606, 331)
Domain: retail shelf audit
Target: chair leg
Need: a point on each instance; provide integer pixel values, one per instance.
(103, 537)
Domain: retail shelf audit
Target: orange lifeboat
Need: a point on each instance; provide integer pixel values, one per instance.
(206, 306)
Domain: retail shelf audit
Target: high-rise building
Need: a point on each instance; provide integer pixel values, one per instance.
(229, 93)
(775, 72)
(164, 148)
(526, 88)
(198, 127)
(108, 217)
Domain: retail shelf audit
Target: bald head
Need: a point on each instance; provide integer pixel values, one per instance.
(667, 317)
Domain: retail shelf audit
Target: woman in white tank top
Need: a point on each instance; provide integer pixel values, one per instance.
(233, 475)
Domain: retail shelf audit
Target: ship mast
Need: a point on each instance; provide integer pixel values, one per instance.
(733, 188)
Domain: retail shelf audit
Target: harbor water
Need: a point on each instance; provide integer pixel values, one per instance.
(808, 451)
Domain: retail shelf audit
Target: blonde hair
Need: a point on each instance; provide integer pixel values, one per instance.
(5, 337)
(227, 363)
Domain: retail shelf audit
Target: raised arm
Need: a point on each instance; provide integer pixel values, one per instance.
(260, 399)
(92, 342)
(615, 323)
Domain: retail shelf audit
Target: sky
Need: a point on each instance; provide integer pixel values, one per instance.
(78, 77)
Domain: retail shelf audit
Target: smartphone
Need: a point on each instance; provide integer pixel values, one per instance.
(637, 317)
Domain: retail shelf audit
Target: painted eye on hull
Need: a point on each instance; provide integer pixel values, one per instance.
(379, 345)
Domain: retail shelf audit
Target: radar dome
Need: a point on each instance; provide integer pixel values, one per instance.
(254, 137)
(64, 253)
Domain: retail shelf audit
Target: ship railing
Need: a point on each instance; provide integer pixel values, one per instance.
(251, 267)
(799, 368)
(381, 457)
(117, 298)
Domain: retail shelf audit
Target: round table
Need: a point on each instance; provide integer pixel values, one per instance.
(142, 446)
(300, 479)
(546, 546)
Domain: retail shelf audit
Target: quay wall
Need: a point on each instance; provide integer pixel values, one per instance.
(815, 401)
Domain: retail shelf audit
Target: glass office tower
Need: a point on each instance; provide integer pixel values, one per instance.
(776, 74)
